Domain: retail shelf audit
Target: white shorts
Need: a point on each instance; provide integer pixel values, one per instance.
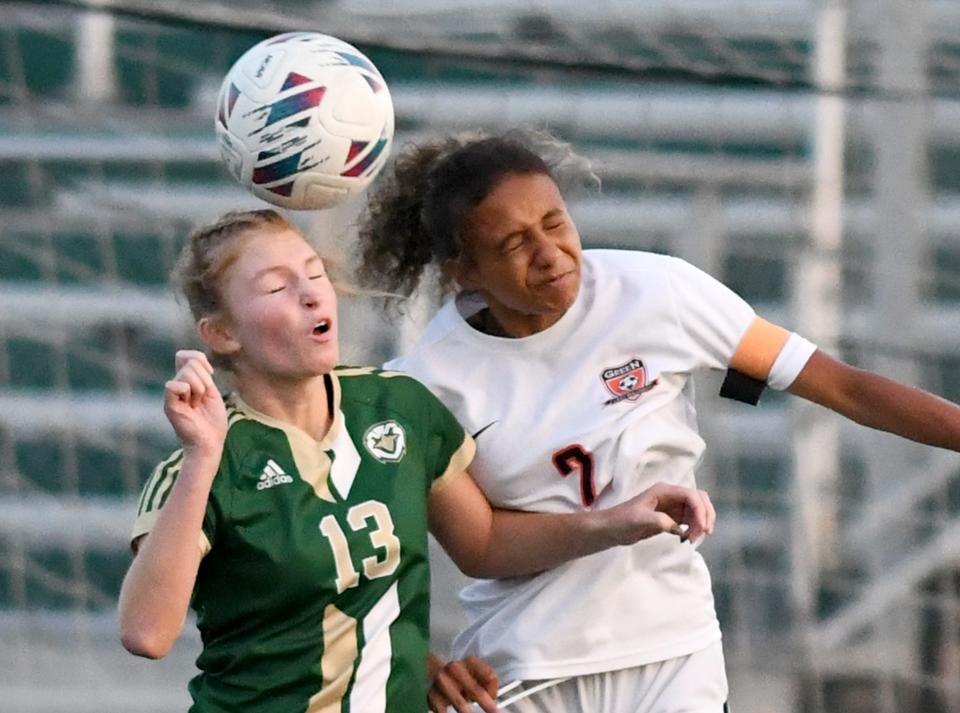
(696, 683)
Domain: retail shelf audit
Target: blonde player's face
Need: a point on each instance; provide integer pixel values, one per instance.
(523, 253)
(281, 308)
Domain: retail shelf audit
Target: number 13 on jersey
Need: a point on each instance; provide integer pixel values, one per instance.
(382, 538)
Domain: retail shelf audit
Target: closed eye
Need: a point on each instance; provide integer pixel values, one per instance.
(510, 245)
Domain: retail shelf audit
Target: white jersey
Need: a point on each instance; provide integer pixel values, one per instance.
(589, 412)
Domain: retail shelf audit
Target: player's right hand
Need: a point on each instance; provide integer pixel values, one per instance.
(457, 683)
(663, 507)
(194, 407)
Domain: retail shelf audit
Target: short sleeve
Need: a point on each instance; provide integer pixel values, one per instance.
(450, 449)
(155, 493)
(712, 317)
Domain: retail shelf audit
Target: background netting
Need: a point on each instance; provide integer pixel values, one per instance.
(829, 198)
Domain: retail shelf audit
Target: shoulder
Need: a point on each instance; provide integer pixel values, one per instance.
(615, 276)
(241, 426)
(370, 384)
(166, 470)
(438, 338)
(370, 395)
(625, 260)
(632, 266)
(640, 268)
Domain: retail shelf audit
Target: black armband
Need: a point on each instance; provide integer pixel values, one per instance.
(740, 387)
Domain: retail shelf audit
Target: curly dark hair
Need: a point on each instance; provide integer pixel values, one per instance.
(415, 213)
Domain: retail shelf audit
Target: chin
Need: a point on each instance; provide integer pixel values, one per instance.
(328, 365)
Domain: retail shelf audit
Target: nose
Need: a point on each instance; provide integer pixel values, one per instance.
(546, 250)
(310, 294)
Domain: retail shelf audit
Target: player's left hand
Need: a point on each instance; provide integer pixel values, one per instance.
(456, 683)
(663, 507)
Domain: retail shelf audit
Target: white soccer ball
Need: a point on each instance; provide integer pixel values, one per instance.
(304, 120)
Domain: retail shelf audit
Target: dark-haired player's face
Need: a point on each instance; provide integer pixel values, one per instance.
(522, 253)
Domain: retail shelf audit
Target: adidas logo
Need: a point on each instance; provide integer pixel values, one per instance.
(272, 475)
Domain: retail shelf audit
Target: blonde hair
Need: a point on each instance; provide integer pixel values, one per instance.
(209, 251)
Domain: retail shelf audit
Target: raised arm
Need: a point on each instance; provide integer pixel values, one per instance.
(157, 588)
(878, 402)
(490, 543)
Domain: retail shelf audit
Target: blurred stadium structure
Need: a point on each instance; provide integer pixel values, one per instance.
(808, 153)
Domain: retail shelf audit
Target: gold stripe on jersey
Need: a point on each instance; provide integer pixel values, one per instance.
(459, 462)
(313, 464)
(204, 544)
(155, 495)
(165, 469)
(759, 349)
(340, 650)
(233, 416)
(163, 488)
(367, 370)
(356, 371)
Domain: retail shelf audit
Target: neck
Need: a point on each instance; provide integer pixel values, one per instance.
(505, 323)
(303, 403)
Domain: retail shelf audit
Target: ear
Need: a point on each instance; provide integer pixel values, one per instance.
(215, 333)
(462, 271)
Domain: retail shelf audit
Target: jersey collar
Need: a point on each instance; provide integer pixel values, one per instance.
(333, 399)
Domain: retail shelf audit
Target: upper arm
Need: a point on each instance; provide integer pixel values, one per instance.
(711, 317)
(460, 517)
(155, 493)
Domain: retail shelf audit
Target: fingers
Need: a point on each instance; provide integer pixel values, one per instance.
(487, 678)
(691, 510)
(184, 355)
(703, 516)
(459, 682)
(193, 380)
(711, 512)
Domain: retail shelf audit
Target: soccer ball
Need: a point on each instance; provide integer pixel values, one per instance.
(304, 120)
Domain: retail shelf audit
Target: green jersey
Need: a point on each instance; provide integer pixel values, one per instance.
(313, 593)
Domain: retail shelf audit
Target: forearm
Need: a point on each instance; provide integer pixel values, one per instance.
(157, 588)
(521, 543)
(487, 542)
(878, 402)
(912, 413)
(492, 543)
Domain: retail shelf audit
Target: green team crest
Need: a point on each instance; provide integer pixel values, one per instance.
(386, 441)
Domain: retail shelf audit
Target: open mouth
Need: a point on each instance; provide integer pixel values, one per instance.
(321, 327)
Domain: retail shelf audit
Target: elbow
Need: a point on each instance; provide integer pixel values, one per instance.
(144, 642)
(475, 571)
(470, 566)
(492, 568)
(476, 565)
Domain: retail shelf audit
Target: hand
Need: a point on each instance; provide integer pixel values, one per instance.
(456, 683)
(194, 407)
(663, 507)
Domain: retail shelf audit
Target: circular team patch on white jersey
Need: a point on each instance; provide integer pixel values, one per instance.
(386, 441)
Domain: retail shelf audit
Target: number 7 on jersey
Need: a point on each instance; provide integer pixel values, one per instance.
(576, 457)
